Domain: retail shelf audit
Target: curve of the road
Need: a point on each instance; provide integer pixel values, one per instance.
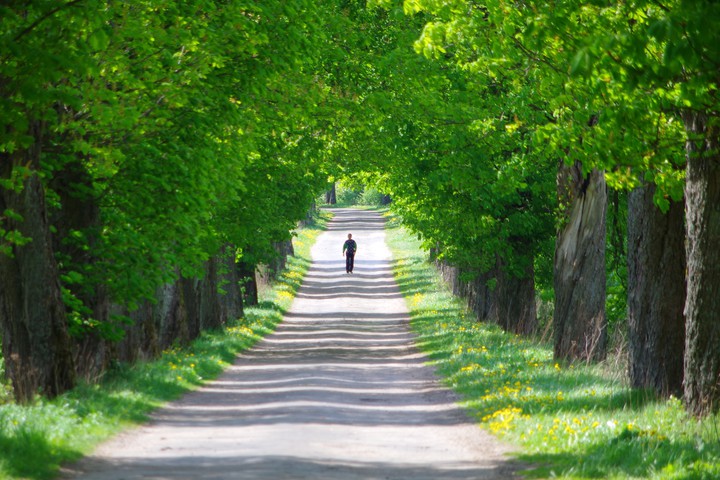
(338, 392)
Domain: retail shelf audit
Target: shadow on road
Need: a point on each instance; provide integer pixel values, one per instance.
(338, 392)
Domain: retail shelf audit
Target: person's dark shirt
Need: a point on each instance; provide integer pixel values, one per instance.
(350, 246)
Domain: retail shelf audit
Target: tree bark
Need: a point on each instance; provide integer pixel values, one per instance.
(580, 326)
(656, 293)
(248, 280)
(189, 291)
(515, 300)
(209, 311)
(473, 288)
(80, 212)
(231, 302)
(331, 195)
(35, 339)
(702, 209)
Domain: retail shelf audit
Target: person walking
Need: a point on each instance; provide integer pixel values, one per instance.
(349, 249)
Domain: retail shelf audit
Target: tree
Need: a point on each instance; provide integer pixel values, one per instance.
(663, 57)
(441, 155)
(134, 136)
(524, 93)
(36, 344)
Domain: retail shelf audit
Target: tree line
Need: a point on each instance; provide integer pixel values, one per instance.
(152, 153)
(150, 147)
(512, 127)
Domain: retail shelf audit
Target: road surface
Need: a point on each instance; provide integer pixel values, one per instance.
(338, 392)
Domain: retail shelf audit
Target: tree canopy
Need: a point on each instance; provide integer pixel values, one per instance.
(142, 141)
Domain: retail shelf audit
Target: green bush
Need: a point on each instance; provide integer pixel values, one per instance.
(371, 197)
(346, 197)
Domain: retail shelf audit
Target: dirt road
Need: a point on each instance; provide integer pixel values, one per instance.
(337, 392)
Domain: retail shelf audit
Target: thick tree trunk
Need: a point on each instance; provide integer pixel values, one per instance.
(656, 293)
(702, 209)
(516, 308)
(579, 321)
(35, 340)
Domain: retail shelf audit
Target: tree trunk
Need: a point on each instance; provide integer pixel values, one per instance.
(579, 274)
(473, 288)
(702, 209)
(248, 282)
(209, 297)
(331, 195)
(656, 293)
(515, 300)
(309, 216)
(35, 339)
(277, 265)
(80, 212)
(141, 340)
(231, 302)
(189, 291)
(172, 316)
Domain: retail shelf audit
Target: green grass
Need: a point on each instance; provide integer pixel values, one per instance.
(35, 440)
(569, 421)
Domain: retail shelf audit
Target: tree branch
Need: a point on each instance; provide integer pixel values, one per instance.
(45, 17)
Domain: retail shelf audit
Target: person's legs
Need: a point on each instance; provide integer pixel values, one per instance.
(351, 262)
(348, 263)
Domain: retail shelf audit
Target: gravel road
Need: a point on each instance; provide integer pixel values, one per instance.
(338, 392)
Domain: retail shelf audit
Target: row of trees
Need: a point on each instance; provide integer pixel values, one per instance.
(151, 154)
(503, 137)
(149, 147)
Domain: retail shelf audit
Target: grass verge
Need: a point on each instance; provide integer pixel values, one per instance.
(570, 421)
(35, 440)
